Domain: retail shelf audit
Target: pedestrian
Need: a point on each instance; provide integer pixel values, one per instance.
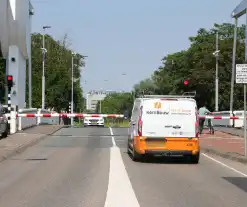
(203, 111)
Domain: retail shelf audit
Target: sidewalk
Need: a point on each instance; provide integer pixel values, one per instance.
(20, 141)
(233, 131)
(224, 144)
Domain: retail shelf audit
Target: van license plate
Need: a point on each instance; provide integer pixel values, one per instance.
(177, 133)
(155, 143)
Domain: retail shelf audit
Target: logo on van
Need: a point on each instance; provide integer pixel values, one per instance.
(157, 105)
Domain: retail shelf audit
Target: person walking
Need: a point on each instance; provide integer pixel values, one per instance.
(203, 111)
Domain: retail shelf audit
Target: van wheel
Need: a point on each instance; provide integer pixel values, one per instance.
(194, 159)
(128, 147)
(5, 134)
(135, 156)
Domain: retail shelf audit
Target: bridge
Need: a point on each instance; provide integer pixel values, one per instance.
(46, 162)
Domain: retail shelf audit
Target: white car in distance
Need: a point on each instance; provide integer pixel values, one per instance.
(94, 121)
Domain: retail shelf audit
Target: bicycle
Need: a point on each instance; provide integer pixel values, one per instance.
(210, 126)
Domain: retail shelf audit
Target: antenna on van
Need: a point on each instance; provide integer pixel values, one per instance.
(166, 96)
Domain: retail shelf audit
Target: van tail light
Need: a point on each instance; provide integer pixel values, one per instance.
(140, 127)
(197, 128)
(197, 125)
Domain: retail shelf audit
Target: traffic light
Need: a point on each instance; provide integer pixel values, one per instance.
(10, 81)
(186, 82)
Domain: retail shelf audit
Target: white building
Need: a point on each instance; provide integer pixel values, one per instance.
(93, 97)
(15, 42)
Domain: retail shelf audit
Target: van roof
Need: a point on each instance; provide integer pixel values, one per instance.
(181, 97)
(166, 96)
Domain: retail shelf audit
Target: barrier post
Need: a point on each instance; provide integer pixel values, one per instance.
(38, 118)
(12, 121)
(19, 122)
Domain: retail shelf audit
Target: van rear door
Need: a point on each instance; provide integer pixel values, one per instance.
(169, 118)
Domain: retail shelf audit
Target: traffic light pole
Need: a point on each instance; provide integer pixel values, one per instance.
(9, 108)
(9, 86)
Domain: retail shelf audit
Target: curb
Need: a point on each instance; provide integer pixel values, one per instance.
(226, 155)
(22, 148)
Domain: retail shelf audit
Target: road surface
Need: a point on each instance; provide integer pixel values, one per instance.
(89, 167)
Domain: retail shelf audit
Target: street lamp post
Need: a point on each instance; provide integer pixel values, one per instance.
(216, 54)
(72, 88)
(233, 64)
(43, 67)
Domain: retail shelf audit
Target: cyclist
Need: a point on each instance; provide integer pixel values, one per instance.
(203, 111)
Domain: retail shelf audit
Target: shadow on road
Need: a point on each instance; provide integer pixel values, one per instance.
(163, 160)
(240, 182)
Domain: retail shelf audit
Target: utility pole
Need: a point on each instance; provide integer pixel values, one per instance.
(233, 64)
(216, 73)
(44, 51)
(72, 89)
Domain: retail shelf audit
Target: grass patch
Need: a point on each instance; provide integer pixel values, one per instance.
(118, 124)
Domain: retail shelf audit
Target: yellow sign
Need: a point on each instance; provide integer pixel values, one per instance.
(157, 105)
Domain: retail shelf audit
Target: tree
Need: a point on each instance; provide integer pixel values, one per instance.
(197, 65)
(57, 73)
(117, 103)
(146, 86)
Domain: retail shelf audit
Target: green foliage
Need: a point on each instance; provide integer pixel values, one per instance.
(197, 65)
(57, 74)
(146, 86)
(117, 103)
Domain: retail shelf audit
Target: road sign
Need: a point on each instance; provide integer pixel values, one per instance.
(241, 73)
(241, 77)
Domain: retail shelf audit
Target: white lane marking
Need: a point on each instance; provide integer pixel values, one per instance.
(120, 192)
(112, 137)
(224, 165)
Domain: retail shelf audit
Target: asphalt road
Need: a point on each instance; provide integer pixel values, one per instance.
(89, 167)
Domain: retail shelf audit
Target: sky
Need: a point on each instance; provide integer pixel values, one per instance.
(126, 40)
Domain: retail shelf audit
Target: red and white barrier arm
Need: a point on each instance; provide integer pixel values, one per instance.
(222, 117)
(71, 115)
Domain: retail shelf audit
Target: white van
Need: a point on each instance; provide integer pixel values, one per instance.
(164, 125)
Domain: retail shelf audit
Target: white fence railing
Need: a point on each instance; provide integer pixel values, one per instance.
(21, 123)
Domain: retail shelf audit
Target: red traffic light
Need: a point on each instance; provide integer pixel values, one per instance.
(186, 82)
(10, 78)
(9, 81)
